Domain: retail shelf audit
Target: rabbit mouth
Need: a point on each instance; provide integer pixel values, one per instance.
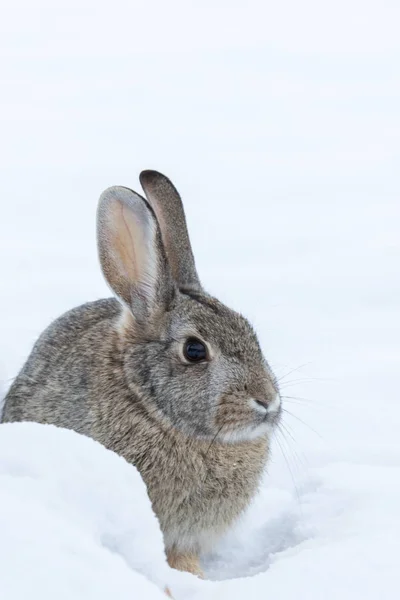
(259, 420)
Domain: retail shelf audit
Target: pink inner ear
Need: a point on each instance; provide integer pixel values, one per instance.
(127, 241)
(128, 251)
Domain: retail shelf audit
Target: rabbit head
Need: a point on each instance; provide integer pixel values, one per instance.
(190, 360)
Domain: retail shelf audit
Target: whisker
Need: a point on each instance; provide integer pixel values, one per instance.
(292, 371)
(297, 402)
(214, 438)
(300, 379)
(281, 425)
(299, 398)
(288, 466)
(307, 402)
(288, 384)
(303, 422)
(208, 450)
(301, 461)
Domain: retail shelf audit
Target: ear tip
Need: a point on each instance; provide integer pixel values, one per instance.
(119, 193)
(151, 177)
(123, 196)
(116, 191)
(147, 174)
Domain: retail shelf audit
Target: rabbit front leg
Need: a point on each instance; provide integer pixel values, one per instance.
(185, 561)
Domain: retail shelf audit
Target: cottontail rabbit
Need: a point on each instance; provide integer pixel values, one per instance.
(164, 374)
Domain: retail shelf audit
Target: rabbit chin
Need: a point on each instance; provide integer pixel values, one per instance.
(247, 433)
(265, 421)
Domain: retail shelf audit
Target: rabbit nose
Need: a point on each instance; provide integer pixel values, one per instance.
(264, 403)
(269, 404)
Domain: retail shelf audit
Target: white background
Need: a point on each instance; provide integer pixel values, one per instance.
(279, 122)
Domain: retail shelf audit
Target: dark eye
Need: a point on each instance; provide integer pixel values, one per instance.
(194, 350)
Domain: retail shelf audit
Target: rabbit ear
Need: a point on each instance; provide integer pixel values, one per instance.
(131, 253)
(167, 206)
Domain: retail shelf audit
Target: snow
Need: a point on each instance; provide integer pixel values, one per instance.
(279, 123)
(344, 542)
(75, 519)
(76, 522)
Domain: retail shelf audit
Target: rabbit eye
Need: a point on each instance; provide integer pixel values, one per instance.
(194, 350)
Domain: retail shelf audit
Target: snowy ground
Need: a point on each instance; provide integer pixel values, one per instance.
(75, 518)
(76, 522)
(280, 125)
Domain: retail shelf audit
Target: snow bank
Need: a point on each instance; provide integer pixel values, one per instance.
(337, 537)
(76, 523)
(75, 520)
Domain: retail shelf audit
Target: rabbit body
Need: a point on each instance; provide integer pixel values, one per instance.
(197, 488)
(165, 375)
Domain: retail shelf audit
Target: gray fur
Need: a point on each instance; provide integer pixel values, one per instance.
(167, 206)
(199, 444)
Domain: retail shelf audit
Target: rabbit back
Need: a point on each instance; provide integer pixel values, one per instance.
(54, 386)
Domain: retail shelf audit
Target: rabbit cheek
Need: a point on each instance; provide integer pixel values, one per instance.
(234, 418)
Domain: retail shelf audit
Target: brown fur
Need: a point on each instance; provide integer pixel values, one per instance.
(117, 374)
(185, 562)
